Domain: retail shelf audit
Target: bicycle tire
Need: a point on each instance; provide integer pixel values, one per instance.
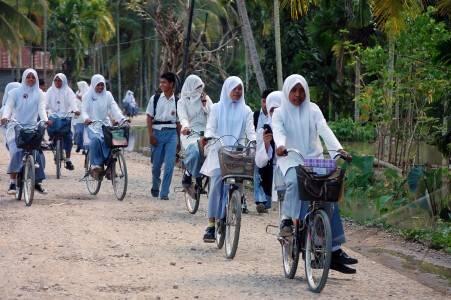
(121, 166)
(233, 223)
(58, 158)
(290, 253)
(92, 184)
(29, 180)
(319, 216)
(19, 185)
(219, 233)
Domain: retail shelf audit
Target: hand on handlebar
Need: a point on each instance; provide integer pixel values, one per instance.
(281, 151)
(49, 122)
(345, 155)
(4, 121)
(88, 121)
(185, 131)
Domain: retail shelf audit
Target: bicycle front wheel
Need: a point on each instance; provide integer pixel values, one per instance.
(233, 223)
(318, 250)
(58, 158)
(19, 185)
(92, 184)
(119, 176)
(28, 180)
(220, 233)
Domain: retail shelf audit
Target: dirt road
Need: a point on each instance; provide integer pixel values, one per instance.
(74, 246)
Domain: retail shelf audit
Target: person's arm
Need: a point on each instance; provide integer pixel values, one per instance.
(279, 133)
(149, 121)
(250, 129)
(262, 155)
(182, 114)
(73, 103)
(84, 110)
(116, 112)
(9, 106)
(324, 131)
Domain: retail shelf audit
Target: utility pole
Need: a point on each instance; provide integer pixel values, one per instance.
(118, 40)
(45, 45)
(187, 41)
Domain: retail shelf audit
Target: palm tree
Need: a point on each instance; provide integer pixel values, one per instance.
(15, 27)
(250, 43)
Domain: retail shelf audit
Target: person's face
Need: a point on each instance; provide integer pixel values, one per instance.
(165, 85)
(236, 93)
(31, 80)
(297, 95)
(265, 110)
(58, 82)
(100, 87)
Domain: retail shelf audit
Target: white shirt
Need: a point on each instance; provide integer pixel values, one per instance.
(25, 109)
(262, 120)
(61, 100)
(166, 111)
(99, 108)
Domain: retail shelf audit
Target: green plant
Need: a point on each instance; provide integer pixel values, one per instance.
(348, 130)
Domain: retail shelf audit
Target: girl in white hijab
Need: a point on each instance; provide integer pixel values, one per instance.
(9, 87)
(60, 101)
(192, 109)
(230, 117)
(298, 124)
(77, 121)
(25, 103)
(129, 103)
(99, 105)
(265, 155)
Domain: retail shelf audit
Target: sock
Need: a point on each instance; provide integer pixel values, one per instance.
(335, 248)
(187, 173)
(67, 159)
(12, 181)
(211, 224)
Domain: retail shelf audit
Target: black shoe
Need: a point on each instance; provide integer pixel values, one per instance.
(78, 149)
(38, 187)
(155, 193)
(209, 236)
(187, 180)
(340, 257)
(261, 208)
(12, 189)
(286, 228)
(164, 198)
(84, 152)
(342, 268)
(69, 165)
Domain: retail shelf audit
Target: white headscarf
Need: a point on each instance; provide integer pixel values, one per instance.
(297, 118)
(273, 100)
(129, 98)
(9, 87)
(192, 89)
(60, 99)
(230, 113)
(83, 87)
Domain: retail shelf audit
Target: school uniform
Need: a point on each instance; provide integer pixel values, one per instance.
(301, 127)
(78, 122)
(192, 115)
(25, 104)
(165, 131)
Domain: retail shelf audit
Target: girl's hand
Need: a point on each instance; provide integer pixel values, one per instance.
(281, 151)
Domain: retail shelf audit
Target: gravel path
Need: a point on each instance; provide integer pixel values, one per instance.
(75, 246)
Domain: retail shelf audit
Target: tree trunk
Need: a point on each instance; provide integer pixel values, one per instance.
(155, 63)
(118, 41)
(357, 90)
(249, 38)
(278, 45)
(391, 71)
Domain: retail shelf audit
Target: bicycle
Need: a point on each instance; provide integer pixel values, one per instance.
(116, 170)
(28, 138)
(237, 166)
(60, 127)
(201, 187)
(313, 235)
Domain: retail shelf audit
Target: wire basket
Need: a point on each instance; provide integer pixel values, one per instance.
(237, 161)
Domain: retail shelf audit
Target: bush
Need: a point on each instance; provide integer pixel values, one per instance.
(350, 131)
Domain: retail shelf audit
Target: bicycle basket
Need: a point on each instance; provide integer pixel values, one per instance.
(314, 187)
(116, 136)
(237, 161)
(59, 125)
(29, 137)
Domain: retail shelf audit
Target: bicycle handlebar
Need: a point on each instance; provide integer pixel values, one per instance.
(345, 156)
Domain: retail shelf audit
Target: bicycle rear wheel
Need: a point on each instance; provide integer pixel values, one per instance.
(233, 223)
(92, 184)
(290, 253)
(119, 176)
(58, 158)
(318, 250)
(28, 180)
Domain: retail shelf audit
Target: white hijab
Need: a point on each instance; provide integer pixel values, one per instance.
(91, 93)
(231, 114)
(9, 87)
(273, 100)
(64, 93)
(129, 98)
(83, 87)
(192, 90)
(297, 118)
